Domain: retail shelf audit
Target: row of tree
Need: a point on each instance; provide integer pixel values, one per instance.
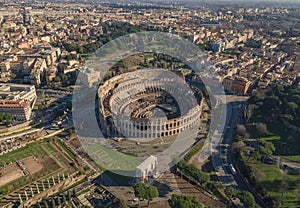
(193, 172)
(260, 130)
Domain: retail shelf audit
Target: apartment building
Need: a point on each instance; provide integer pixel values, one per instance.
(237, 85)
(17, 100)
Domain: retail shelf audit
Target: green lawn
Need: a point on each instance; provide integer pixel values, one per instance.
(34, 149)
(18, 152)
(271, 138)
(49, 146)
(65, 148)
(276, 182)
(295, 158)
(280, 184)
(194, 150)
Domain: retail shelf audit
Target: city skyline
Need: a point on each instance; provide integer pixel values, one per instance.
(171, 104)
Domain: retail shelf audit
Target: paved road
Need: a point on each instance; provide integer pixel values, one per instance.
(22, 133)
(222, 159)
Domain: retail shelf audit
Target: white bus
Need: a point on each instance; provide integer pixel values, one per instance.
(232, 169)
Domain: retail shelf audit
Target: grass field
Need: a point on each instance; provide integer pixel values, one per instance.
(50, 161)
(295, 158)
(34, 149)
(283, 187)
(276, 182)
(41, 151)
(196, 148)
(65, 148)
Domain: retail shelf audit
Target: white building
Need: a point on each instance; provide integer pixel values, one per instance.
(146, 169)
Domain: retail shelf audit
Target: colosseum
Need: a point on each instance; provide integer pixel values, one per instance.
(150, 103)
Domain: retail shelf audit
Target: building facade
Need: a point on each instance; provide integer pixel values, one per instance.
(18, 100)
(239, 85)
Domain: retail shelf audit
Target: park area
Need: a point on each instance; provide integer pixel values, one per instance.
(270, 176)
(268, 149)
(278, 184)
(285, 140)
(278, 111)
(32, 169)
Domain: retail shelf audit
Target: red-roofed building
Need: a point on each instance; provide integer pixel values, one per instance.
(19, 109)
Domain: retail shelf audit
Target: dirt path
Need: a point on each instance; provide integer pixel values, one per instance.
(195, 160)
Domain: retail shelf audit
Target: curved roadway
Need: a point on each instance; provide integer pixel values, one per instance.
(222, 158)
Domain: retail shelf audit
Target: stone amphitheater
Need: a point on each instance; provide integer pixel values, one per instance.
(149, 104)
